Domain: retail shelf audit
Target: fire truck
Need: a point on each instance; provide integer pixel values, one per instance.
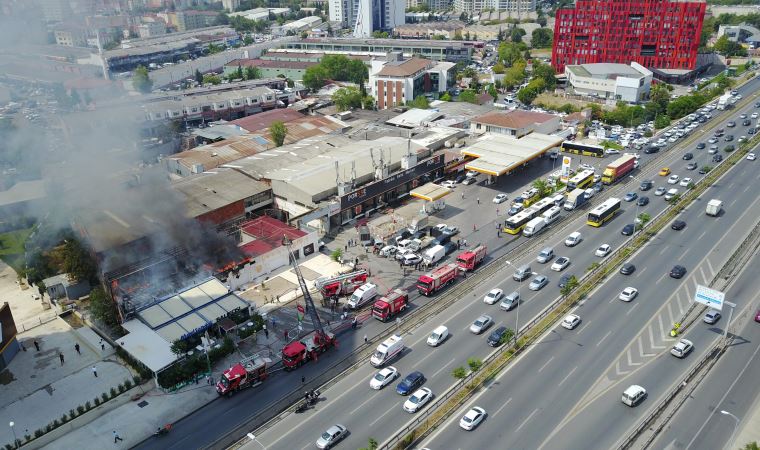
(434, 281)
(394, 302)
(470, 259)
(343, 284)
(248, 372)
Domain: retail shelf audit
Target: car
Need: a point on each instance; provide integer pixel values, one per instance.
(437, 336)
(750, 156)
(560, 264)
(383, 377)
(700, 146)
(660, 191)
(742, 139)
(627, 230)
(631, 196)
(642, 201)
(713, 150)
(410, 383)
(469, 180)
(711, 317)
(451, 230)
(677, 272)
(731, 124)
(673, 179)
(746, 123)
(603, 250)
(417, 400)
(401, 254)
(611, 151)
(729, 138)
(757, 316)
(496, 337)
(451, 184)
(664, 172)
(678, 225)
(501, 198)
(332, 436)
(545, 255)
(688, 156)
(627, 269)
(493, 296)
(634, 395)
(671, 194)
(481, 324)
(471, 174)
(459, 178)
(411, 259)
(754, 115)
(586, 166)
(646, 185)
(515, 209)
(703, 170)
(691, 166)
(712, 140)
(717, 158)
(472, 418)
(510, 301)
(628, 294)
(440, 227)
(388, 251)
(682, 348)
(538, 282)
(571, 321)
(573, 239)
(685, 182)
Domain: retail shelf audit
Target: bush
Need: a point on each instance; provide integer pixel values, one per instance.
(56, 423)
(137, 379)
(80, 409)
(97, 401)
(104, 396)
(459, 373)
(72, 414)
(38, 433)
(121, 388)
(128, 384)
(475, 364)
(64, 418)
(114, 393)
(592, 267)
(336, 254)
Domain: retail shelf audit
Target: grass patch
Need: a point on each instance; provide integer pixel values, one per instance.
(12, 247)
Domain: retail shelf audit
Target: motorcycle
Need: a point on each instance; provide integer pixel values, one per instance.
(163, 430)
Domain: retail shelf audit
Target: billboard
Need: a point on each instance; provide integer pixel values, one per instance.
(566, 160)
(710, 297)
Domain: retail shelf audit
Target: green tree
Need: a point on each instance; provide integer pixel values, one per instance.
(515, 75)
(458, 35)
(75, 260)
(541, 21)
(469, 96)
(446, 97)
(41, 288)
(530, 92)
(420, 102)
(103, 308)
(493, 92)
(541, 38)
(545, 72)
(75, 99)
(571, 284)
(141, 81)
(247, 40)
(661, 121)
(210, 78)
(542, 187)
(347, 98)
(475, 364)
(315, 77)
(278, 131)
(460, 372)
(751, 445)
(516, 34)
(252, 73)
(239, 72)
(499, 68)
(727, 47)
(198, 76)
(372, 443)
(509, 53)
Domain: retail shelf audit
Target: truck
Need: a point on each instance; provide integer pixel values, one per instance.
(575, 199)
(618, 169)
(300, 351)
(714, 207)
(418, 223)
(391, 304)
(343, 284)
(434, 254)
(470, 259)
(389, 349)
(724, 101)
(250, 371)
(421, 244)
(436, 280)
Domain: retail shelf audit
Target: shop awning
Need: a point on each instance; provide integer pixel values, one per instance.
(430, 192)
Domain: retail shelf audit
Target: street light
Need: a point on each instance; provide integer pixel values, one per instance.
(636, 217)
(519, 300)
(15, 440)
(726, 413)
(252, 437)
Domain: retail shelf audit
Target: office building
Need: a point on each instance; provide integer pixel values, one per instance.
(658, 34)
(395, 81)
(367, 16)
(511, 6)
(191, 19)
(230, 5)
(610, 81)
(454, 51)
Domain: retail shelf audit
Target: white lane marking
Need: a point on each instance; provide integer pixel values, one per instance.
(567, 376)
(664, 249)
(660, 279)
(443, 367)
(704, 278)
(652, 341)
(747, 188)
(630, 361)
(712, 271)
(678, 300)
(662, 328)
(545, 364)
(371, 397)
(670, 313)
(641, 271)
(732, 202)
(618, 372)
(603, 338)
(426, 357)
(702, 235)
(383, 415)
(641, 349)
(526, 420)
(503, 406)
(635, 304)
(584, 326)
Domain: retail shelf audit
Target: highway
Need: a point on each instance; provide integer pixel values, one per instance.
(378, 414)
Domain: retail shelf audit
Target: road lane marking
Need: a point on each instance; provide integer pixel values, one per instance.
(712, 271)
(652, 341)
(641, 349)
(383, 415)
(503, 406)
(664, 249)
(662, 328)
(526, 420)
(584, 325)
(371, 397)
(670, 313)
(660, 279)
(702, 235)
(566, 376)
(630, 360)
(704, 278)
(603, 338)
(443, 367)
(635, 304)
(545, 364)
(641, 271)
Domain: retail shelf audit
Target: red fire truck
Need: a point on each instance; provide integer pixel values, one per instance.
(343, 284)
(470, 259)
(394, 302)
(249, 372)
(432, 282)
(307, 348)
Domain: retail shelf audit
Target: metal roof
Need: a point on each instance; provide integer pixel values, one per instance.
(430, 192)
(497, 154)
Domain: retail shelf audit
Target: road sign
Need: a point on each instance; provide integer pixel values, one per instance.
(709, 297)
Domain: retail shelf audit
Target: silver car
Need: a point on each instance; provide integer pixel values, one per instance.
(510, 301)
(332, 436)
(480, 324)
(538, 282)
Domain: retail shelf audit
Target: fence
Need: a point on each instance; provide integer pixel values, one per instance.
(37, 321)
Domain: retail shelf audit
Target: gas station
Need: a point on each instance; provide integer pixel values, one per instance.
(497, 154)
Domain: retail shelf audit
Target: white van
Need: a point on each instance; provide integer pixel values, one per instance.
(434, 254)
(534, 226)
(551, 214)
(404, 244)
(437, 337)
(559, 199)
(634, 395)
(363, 295)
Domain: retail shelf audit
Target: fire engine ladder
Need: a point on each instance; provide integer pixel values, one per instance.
(306, 296)
(341, 277)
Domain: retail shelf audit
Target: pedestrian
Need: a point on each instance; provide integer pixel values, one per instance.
(266, 332)
(277, 297)
(95, 371)
(474, 227)
(345, 248)
(353, 323)
(303, 380)
(208, 379)
(356, 261)
(478, 200)
(462, 195)
(76, 347)
(498, 233)
(365, 338)
(497, 211)
(274, 322)
(116, 437)
(286, 334)
(36, 345)
(60, 356)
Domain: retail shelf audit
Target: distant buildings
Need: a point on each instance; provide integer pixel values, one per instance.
(454, 51)
(659, 34)
(190, 19)
(426, 30)
(367, 16)
(297, 26)
(395, 81)
(230, 5)
(476, 6)
(515, 123)
(610, 81)
(742, 33)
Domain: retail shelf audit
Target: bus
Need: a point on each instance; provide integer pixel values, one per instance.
(582, 149)
(581, 180)
(603, 212)
(516, 223)
(543, 205)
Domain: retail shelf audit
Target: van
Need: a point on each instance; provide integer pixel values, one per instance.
(545, 255)
(634, 395)
(404, 244)
(573, 239)
(551, 214)
(522, 273)
(435, 254)
(363, 295)
(559, 199)
(437, 337)
(534, 226)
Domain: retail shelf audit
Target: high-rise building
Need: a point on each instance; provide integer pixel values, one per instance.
(659, 34)
(476, 6)
(366, 16)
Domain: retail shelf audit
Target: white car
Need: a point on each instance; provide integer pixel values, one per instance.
(388, 251)
(383, 378)
(754, 115)
(603, 250)
(438, 336)
(417, 400)
(671, 193)
(750, 156)
(573, 239)
(673, 179)
(472, 419)
(494, 296)
(628, 294)
(611, 151)
(449, 184)
(586, 167)
(685, 182)
(560, 264)
(401, 254)
(571, 321)
(501, 198)
(440, 227)
(332, 436)
(480, 324)
(682, 348)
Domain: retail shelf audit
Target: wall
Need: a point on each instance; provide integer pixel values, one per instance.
(224, 214)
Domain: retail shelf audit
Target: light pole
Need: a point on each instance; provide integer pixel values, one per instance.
(252, 437)
(519, 300)
(736, 425)
(636, 217)
(15, 440)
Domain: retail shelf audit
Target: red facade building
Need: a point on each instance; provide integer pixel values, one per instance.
(657, 34)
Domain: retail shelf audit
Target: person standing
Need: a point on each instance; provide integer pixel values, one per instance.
(95, 371)
(36, 345)
(116, 437)
(60, 356)
(76, 347)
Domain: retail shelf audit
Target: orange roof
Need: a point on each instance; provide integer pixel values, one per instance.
(404, 69)
(513, 119)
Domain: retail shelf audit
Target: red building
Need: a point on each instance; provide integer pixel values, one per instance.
(657, 34)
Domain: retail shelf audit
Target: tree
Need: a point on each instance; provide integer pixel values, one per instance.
(198, 76)
(464, 17)
(542, 187)
(516, 34)
(751, 446)
(74, 259)
(420, 102)
(541, 38)
(446, 97)
(545, 72)
(278, 131)
(211, 78)
(239, 72)
(661, 121)
(475, 364)
(41, 288)
(460, 372)
(469, 96)
(347, 98)
(571, 284)
(247, 40)
(530, 92)
(541, 21)
(727, 47)
(458, 35)
(141, 81)
(498, 68)
(493, 92)
(75, 99)
(252, 73)
(509, 53)
(315, 77)
(103, 308)
(372, 443)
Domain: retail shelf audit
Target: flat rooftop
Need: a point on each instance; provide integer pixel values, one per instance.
(208, 191)
(605, 70)
(498, 154)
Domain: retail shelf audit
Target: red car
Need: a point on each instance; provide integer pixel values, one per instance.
(757, 316)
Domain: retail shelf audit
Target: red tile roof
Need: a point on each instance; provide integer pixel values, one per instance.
(264, 119)
(268, 233)
(513, 119)
(405, 69)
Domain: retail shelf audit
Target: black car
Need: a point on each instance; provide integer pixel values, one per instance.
(700, 146)
(717, 158)
(729, 148)
(702, 171)
(652, 149)
(564, 279)
(646, 185)
(627, 230)
(627, 269)
(729, 138)
(751, 131)
(757, 105)
(688, 156)
(677, 272)
(494, 339)
(410, 383)
(460, 178)
(678, 225)
(643, 200)
(731, 124)
(691, 166)
(746, 123)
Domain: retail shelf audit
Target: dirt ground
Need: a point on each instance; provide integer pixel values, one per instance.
(556, 101)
